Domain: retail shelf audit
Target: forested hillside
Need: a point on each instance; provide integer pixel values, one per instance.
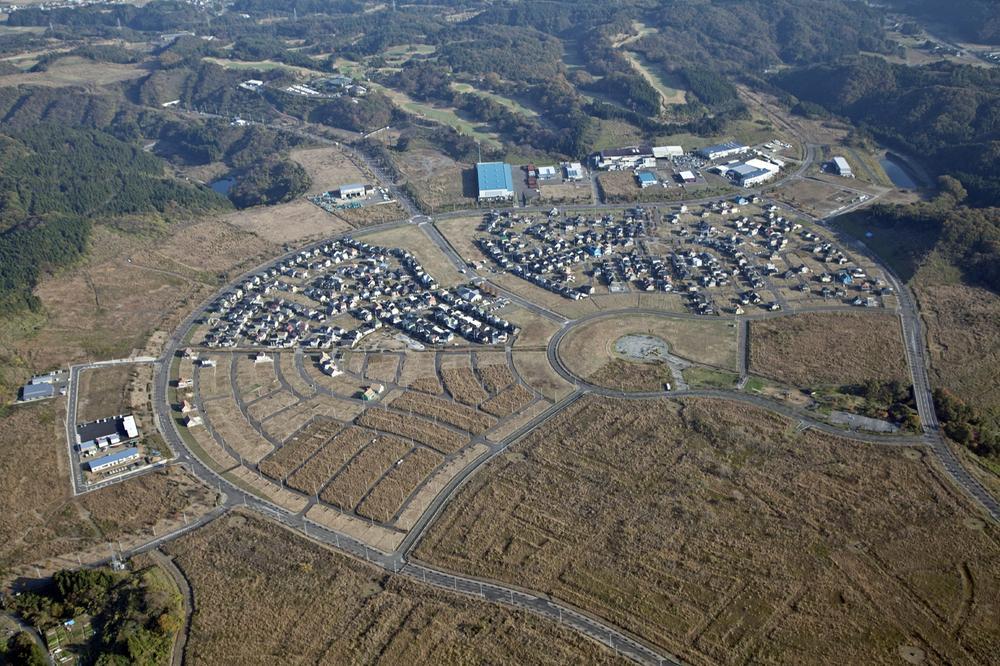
(945, 115)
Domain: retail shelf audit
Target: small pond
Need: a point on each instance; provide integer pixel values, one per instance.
(222, 186)
(897, 174)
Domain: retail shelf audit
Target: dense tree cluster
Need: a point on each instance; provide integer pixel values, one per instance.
(963, 423)
(135, 618)
(267, 182)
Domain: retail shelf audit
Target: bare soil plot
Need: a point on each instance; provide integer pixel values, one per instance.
(461, 233)
(349, 486)
(329, 168)
(299, 447)
(390, 493)
(103, 392)
(382, 367)
(566, 193)
(430, 256)
(271, 404)
(413, 428)
(828, 348)
(446, 411)
(718, 531)
(588, 349)
(251, 579)
(420, 374)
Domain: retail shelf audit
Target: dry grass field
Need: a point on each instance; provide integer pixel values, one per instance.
(329, 168)
(964, 341)
(631, 376)
(566, 193)
(508, 401)
(296, 222)
(103, 392)
(720, 532)
(41, 523)
(437, 178)
(76, 71)
(453, 413)
(814, 349)
(265, 595)
(461, 233)
(350, 484)
(322, 466)
(463, 385)
(419, 430)
(389, 493)
(588, 351)
(299, 447)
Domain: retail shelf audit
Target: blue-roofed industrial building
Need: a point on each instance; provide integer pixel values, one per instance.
(37, 392)
(646, 179)
(114, 460)
(495, 181)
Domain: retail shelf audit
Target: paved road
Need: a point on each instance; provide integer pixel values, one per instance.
(400, 562)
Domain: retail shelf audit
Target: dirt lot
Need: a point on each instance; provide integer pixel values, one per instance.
(103, 392)
(264, 594)
(588, 349)
(721, 533)
(41, 524)
(566, 193)
(815, 349)
(437, 178)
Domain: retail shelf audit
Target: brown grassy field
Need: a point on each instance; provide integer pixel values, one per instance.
(964, 341)
(387, 495)
(462, 385)
(361, 472)
(264, 595)
(103, 392)
(295, 222)
(335, 453)
(588, 350)
(723, 534)
(508, 401)
(446, 411)
(415, 428)
(329, 168)
(495, 376)
(815, 349)
(299, 447)
(630, 376)
(41, 521)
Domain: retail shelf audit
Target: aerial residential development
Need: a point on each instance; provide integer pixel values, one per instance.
(499, 333)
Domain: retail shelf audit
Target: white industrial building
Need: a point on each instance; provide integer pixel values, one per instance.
(722, 150)
(629, 157)
(665, 152)
(841, 167)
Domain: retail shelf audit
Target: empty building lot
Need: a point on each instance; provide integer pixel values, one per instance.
(816, 349)
(720, 532)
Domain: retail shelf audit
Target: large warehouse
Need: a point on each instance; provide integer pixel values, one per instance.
(495, 181)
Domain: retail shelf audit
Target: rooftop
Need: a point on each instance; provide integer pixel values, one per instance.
(494, 176)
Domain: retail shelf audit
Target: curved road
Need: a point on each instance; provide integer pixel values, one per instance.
(398, 562)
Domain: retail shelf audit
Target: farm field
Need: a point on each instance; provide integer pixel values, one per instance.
(263, 591)
(719, 532)
(814, 349)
